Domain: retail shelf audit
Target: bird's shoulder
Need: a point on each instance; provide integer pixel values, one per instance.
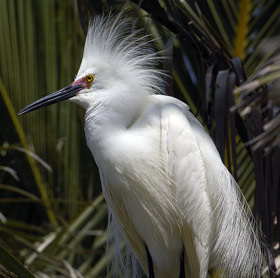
(179, 122)
(158, 107)
(166, 113)
(167, 126)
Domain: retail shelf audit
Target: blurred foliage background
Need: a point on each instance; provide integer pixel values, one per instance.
(223, 60)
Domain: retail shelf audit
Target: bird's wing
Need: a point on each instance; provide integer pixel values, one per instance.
(212, 203)
(187, 167)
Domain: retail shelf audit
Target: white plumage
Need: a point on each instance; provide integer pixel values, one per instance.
(162, 177)
(161, 174)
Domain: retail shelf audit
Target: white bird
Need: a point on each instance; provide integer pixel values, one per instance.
(169, 195)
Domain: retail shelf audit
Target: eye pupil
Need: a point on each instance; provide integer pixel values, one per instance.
(89, 78)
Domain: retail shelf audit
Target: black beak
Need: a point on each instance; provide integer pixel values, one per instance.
(63, 94)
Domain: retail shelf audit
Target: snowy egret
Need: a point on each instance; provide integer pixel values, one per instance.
(169, 195)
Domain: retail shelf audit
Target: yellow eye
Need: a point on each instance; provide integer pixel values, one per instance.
(89, 78)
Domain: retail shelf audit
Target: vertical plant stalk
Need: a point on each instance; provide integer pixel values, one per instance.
(38, 179)
(241, 31)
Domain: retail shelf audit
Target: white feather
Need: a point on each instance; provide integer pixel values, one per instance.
(162, 177)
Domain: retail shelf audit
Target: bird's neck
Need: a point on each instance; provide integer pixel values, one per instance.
(119, 111)
(109, 115)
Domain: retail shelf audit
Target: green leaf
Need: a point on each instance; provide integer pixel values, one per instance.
(13, 264)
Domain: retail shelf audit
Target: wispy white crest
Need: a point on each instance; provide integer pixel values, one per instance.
(112, 39)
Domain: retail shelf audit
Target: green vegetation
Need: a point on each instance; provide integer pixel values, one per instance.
(53, 216)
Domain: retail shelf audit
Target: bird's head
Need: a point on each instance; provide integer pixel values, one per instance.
(115, 57)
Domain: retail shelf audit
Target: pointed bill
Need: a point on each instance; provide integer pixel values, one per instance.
(63, 94)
